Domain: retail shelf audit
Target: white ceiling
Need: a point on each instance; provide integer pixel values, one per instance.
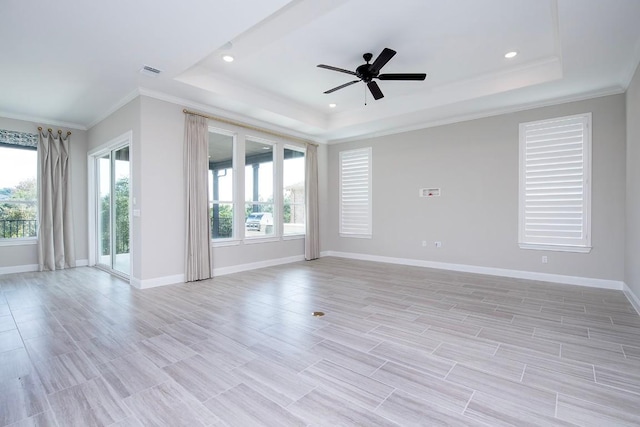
(72, 62)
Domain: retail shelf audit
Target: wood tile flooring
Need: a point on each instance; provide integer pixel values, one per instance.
(397, 346)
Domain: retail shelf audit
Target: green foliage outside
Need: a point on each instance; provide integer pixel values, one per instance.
(19, 219)
(222, 226)
(122, 219)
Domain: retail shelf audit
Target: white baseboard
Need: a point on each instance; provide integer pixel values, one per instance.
(179, 278)
(255, 265)
(157, 281)
(632, 297)
(517, 274)
(29, 268)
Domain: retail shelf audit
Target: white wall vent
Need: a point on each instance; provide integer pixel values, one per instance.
(150, 71)
(429, 192)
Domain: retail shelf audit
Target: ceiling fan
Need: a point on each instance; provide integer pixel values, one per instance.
(368, 72)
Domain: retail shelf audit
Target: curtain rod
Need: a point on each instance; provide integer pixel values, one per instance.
(246, 126)
(50, 130)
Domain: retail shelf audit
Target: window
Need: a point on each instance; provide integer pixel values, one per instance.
(263, 203)
(355, 193)
(221, 184)
(555, 184)
(258, 188)
(18, 191)
(293, 209)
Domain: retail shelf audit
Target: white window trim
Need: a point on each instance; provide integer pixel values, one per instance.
(240, 137)
(228, 241)
(261, 239)
(220, 243)
(276, 152)
(126, 139)
(585, 246)
(296, 236)
(19, 241)
(368, 151)
(304, 152)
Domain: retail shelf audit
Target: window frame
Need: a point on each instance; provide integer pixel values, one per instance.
(304, 180)
(582, 245)
(242, 135)
(367, 232)
(275, 211)
(233, 202)
(24, 240)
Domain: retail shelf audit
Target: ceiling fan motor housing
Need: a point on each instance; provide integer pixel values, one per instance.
(365, 73)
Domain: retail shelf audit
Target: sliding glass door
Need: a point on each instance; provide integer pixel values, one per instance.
(112, 225)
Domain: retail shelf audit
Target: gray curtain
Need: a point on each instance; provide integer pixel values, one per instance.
(55, 217)
(312, 234)
(198, 262)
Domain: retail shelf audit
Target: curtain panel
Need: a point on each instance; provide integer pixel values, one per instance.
(56, 248)
(312, 232)
(198, 262)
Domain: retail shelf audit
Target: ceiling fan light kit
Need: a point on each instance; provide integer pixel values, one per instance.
(368, 72)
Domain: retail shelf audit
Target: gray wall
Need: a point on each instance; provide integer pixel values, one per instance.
(26, 255)
(158, 185)
(162, 185)
(120, 122)
(475, 163)
(632, 259)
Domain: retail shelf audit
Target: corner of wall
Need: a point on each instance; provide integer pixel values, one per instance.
(632, 297)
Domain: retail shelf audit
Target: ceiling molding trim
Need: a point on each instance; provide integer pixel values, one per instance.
(210, 81)
(481, 115)
(628, 74)
(118, 105)
(226, 114)
(555, 26)
(43, 121)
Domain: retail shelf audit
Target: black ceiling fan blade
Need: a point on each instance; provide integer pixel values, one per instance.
(381, 60)
(403, 76)
(341, 70)
(341, 86)
(375, 90)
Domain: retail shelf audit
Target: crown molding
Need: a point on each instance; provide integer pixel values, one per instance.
(124, 101)
(207, 109)
(632, 67)
(42, 120)
(481, 115)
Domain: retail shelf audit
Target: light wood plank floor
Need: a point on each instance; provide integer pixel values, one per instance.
(397, 346)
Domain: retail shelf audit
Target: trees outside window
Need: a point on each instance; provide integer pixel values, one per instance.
(18, 193)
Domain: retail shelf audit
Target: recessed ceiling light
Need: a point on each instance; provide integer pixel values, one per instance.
(511, 54)
(333, 105)
(227, 58)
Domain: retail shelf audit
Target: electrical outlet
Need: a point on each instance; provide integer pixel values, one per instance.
(544, 259)
(438, 244)
(424, 243)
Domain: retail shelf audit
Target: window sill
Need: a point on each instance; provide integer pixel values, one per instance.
(223, 243)
(293, 237)
(254, 240)
(556, 248)
(19, 242)
(357, 236)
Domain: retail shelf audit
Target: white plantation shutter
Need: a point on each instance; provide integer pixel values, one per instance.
(355, 193)
(555, 188)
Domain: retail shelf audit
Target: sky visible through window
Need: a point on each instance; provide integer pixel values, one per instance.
(17, 165)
